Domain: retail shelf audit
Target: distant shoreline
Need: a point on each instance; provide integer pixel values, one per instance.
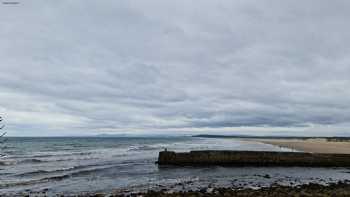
(339, 145)
(311, 145)
(327, 138)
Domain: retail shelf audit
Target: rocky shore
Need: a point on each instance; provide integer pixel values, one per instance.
(338, 189)
(341, 189)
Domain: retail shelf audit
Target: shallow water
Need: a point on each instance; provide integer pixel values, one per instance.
(63, 165)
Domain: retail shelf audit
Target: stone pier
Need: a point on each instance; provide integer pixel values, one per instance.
(252, 158)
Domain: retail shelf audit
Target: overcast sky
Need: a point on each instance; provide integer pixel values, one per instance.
(259, 67)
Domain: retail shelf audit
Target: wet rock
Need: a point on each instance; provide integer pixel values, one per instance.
(99, 195)
(210, 190)
(311, 189)
(266, 176)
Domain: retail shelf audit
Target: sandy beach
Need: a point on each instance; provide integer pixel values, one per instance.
(311, 145)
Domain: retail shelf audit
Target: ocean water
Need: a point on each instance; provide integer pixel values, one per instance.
(95, 164)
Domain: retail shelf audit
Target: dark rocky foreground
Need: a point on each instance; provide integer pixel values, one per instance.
(252, 158)
(341, 189)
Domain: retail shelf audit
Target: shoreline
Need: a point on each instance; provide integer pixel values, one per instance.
(310, 145)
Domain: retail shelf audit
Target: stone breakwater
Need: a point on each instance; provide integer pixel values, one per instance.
(253, 158)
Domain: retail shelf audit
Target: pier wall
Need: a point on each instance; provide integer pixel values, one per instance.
(253, 158)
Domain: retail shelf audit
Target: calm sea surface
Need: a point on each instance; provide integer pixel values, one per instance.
(93, 164)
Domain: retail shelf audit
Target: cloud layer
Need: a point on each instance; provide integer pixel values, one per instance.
(254, 67)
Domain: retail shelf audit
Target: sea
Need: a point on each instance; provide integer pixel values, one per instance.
(87, 165)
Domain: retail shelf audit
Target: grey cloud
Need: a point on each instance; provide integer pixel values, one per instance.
(84, 67)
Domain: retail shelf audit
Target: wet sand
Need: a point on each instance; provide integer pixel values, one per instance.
(311, 145)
